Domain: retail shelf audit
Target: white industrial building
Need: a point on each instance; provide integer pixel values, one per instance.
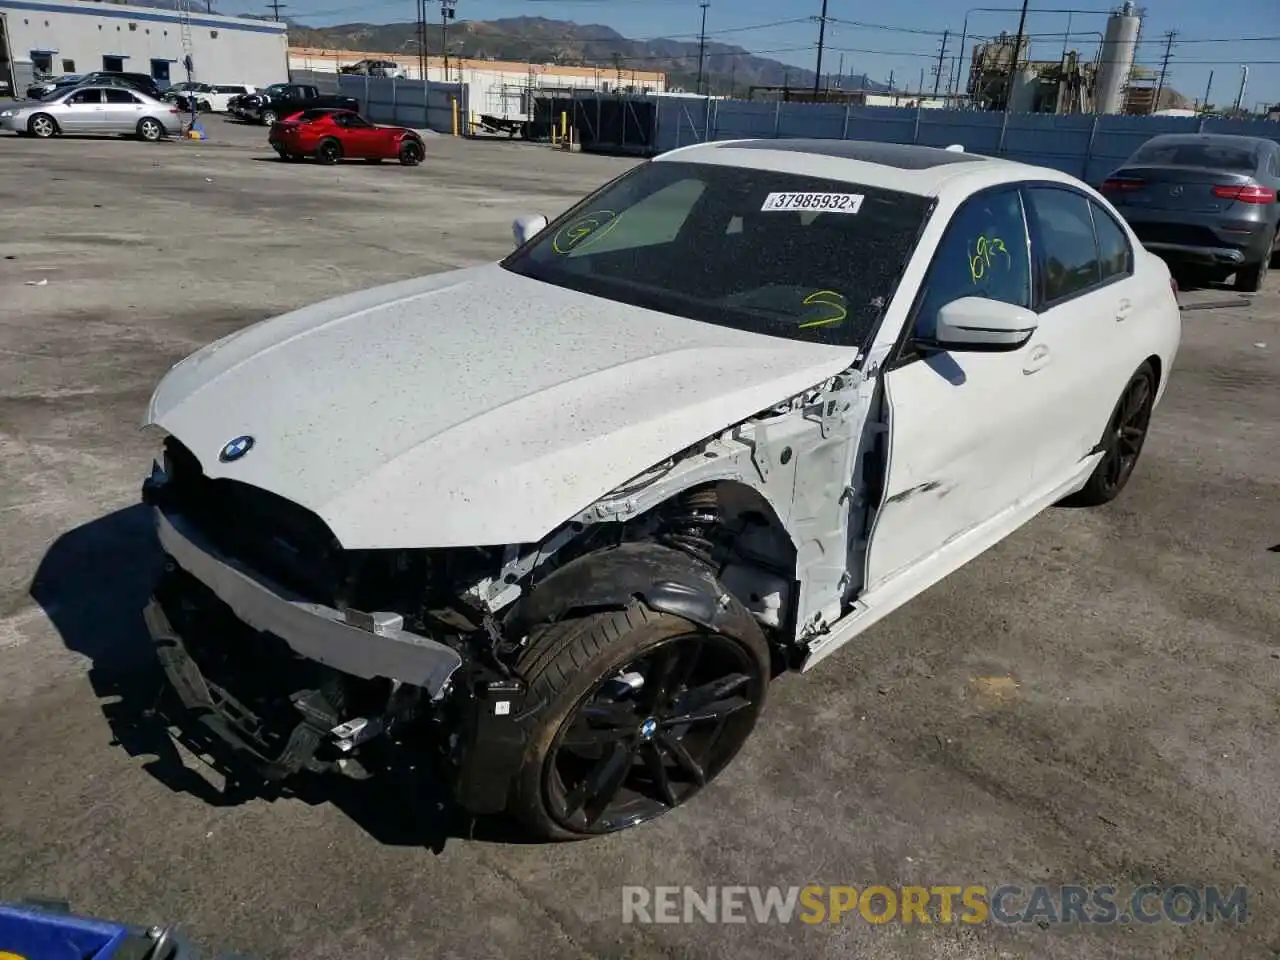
(40, 38)
(497, 88)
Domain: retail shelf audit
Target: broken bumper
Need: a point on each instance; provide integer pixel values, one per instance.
(365, 645)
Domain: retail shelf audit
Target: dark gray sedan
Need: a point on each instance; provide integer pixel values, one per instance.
(1207, 201)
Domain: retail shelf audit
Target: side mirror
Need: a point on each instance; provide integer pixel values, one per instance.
(979, 325)
(526, 228)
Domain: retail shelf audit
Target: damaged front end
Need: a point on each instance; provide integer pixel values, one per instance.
(302, 656)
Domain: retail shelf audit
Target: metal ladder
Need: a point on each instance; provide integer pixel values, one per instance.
(188, 62)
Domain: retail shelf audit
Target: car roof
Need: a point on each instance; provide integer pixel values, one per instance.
(908, 168)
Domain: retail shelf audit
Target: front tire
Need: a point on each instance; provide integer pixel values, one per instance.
(42, 125)
(411, 153)
(268, 117)
(643, 710)
(1122, 445)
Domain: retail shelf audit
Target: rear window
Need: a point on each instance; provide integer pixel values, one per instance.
(1207, 155)
(773, 253)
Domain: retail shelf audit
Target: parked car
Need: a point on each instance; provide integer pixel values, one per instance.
(269, 104)
(565, 516)
(333, 135)
(1207, 201)
(42, 88)
(374, 68)
(93, 109)
(219, 95)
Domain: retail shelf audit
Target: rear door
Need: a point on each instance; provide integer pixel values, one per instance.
(122, 109)
(1089, 307)
(965, 427)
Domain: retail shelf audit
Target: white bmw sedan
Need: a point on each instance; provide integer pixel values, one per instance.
(557, 521)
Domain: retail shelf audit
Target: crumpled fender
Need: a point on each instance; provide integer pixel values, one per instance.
(664, 579)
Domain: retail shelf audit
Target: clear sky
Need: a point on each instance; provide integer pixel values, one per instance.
(901, 38)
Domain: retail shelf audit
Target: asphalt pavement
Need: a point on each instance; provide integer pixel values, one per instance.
(1094, 701)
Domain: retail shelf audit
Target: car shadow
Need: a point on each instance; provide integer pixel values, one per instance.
(93, 584)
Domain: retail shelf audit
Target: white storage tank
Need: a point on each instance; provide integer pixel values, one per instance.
(1116, 58)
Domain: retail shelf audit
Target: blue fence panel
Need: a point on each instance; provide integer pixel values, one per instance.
(1082, 145)
(405, 103)
(739, 119)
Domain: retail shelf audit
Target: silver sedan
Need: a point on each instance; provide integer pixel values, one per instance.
(93, 109)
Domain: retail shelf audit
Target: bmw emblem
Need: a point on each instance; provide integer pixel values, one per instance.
(236, 449)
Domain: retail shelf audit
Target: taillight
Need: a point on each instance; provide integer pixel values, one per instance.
(1249, 194)
(1122, 185)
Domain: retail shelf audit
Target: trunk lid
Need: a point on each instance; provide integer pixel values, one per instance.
(1174, 188)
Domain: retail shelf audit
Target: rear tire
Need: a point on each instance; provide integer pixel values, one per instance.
(150, 130)
(329, 150)
(636, 761)
(1251, 278)
(1123, 442)
(42, 125)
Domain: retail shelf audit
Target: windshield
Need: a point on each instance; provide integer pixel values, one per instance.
(1190, 153)
(773, 253)
(276, 88)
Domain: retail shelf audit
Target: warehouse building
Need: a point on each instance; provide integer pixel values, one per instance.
(42, 38)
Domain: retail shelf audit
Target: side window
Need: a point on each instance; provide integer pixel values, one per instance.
(85, 96)
(982, 254)
(1113, 246)
(1063, 242)
(655, 219)
(120, 96)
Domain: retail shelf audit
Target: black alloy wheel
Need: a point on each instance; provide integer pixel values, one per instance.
(329, 151)
(1122, 444)
(411, 152)
(648, 738)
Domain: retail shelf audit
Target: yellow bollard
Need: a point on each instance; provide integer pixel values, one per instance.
(564, 124)
(454, 101)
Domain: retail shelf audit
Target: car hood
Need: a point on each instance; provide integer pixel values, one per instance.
(475, 407)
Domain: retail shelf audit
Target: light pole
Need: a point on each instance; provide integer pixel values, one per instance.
(702, 42)
(822, 36)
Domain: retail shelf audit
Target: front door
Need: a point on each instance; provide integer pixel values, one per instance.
(964, 426)
(81, 112)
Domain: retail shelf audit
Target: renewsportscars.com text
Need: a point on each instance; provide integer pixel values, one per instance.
(943, 904)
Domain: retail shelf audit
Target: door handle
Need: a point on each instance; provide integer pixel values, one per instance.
(1038, 360)
(1123, 310)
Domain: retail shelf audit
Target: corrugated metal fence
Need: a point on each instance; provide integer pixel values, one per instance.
(1085, 146)
(405, 103)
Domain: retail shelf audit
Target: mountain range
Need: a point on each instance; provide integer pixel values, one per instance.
(727, 69)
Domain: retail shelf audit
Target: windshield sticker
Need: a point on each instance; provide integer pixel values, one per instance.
(822, 202)
(986, 250)
(574, 235)
(834, 309)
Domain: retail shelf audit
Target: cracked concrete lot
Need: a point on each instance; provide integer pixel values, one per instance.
(1094, 701)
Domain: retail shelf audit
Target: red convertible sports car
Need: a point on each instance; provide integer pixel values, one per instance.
(333, 135)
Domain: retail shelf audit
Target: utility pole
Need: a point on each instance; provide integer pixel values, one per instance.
(702, 42)
(1208, 88)
(937, 71)
(822, 39)
(422, 40)
(275, 6)
(1017, 56)
(920, 88)
(1244, 82)
(1164, 67)
(447, 13)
